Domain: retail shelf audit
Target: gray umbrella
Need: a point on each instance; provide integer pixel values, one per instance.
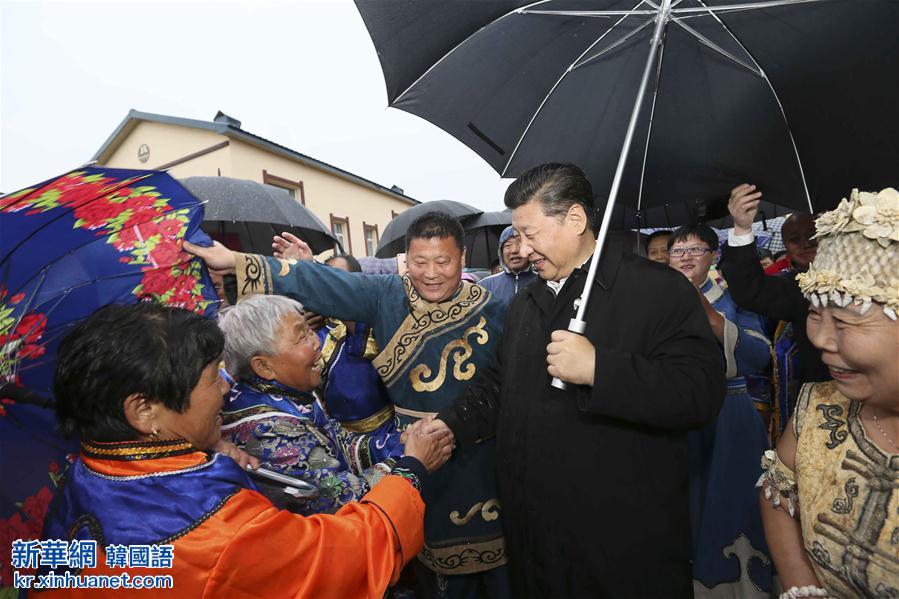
(245, 214)
(393, 240)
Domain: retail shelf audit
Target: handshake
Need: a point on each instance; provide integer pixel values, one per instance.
(430, 441)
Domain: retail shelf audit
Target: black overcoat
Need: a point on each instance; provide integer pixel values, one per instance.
(778, 298)
(593, 481)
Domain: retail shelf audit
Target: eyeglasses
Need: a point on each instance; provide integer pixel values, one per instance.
(694, 251)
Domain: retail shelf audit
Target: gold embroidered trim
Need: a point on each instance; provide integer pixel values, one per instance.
(253, 275)
(367, 425)
(336, 334)
(461, 370)
(371, 346)
(426, 321)
(138, 450)
(467, 558)
(413, 413)
(489, 511)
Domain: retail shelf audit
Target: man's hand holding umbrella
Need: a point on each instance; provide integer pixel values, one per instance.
(571, 358)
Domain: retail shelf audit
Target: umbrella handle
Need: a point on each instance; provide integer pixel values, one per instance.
(577, 326)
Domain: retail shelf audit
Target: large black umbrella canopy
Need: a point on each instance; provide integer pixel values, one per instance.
(393, 239)
(796, 96)
(250, 213)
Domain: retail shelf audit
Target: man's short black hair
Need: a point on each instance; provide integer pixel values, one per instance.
(652, 236)
(436, 224)
(557, 187)
(702, 232)
(351, 262)
(140, 349)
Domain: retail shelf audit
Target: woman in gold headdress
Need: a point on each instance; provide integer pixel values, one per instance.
(830, 493)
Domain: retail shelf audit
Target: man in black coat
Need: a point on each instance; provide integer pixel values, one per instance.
(774, 297)
(593, 479)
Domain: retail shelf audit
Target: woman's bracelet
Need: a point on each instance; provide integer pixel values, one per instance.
(806, 591)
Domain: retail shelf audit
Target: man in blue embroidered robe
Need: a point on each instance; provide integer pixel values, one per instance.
(439, 332)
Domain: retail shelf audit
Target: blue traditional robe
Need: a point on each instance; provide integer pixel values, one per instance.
(290, 433)
(730, 555)
(431, 353)
(354, 394)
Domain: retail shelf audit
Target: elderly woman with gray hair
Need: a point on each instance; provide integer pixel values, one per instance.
(272, 414)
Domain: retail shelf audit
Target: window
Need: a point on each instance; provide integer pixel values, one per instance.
(294, 188)
(340, 227)
(371, 238)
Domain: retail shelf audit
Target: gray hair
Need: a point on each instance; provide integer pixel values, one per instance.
(251, 329)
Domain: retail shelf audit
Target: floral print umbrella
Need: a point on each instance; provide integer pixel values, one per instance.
(68, 246)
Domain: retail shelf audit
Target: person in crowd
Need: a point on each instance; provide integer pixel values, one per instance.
(780, 263)
(830, 491)
(439, 333)
(724, 456)
(351, 389)
(655, 246)
(773, 297)
(592, 478)
(139, 384)
(516, 270)
(272, 414)
(766, 258)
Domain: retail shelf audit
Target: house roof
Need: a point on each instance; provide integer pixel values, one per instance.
(230, 127)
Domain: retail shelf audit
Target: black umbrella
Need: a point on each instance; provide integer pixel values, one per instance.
(246, 214)
(482, 237)
(393, 240)
(522, 83)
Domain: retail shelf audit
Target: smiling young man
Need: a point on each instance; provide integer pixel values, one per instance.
(437, 333)
(593, 478)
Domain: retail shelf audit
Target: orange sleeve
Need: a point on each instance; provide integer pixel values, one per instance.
(356, 552)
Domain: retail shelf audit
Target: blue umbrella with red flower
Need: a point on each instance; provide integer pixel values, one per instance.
(68, 246)
(85, 239)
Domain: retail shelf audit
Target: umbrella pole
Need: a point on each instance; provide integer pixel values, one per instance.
(578, 324)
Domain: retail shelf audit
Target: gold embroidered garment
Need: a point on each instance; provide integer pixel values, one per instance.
(848, 497)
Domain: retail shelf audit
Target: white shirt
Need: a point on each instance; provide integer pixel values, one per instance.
(739, 240)
(556, 286)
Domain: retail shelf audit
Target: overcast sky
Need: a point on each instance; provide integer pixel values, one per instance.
(301, 73)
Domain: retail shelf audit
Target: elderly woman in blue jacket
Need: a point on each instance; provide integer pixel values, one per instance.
(725, 516)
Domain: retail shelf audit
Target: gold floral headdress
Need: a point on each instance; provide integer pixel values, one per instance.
(858, 254)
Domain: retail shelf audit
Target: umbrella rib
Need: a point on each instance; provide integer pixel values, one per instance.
(613, 46)
(712, 10)
(709, 43)
(652, 112)
(783, 114)
(588, 13)
(459, 45)
(556, 85)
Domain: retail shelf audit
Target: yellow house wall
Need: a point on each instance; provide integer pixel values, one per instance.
(325, 194)
(169, 143)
